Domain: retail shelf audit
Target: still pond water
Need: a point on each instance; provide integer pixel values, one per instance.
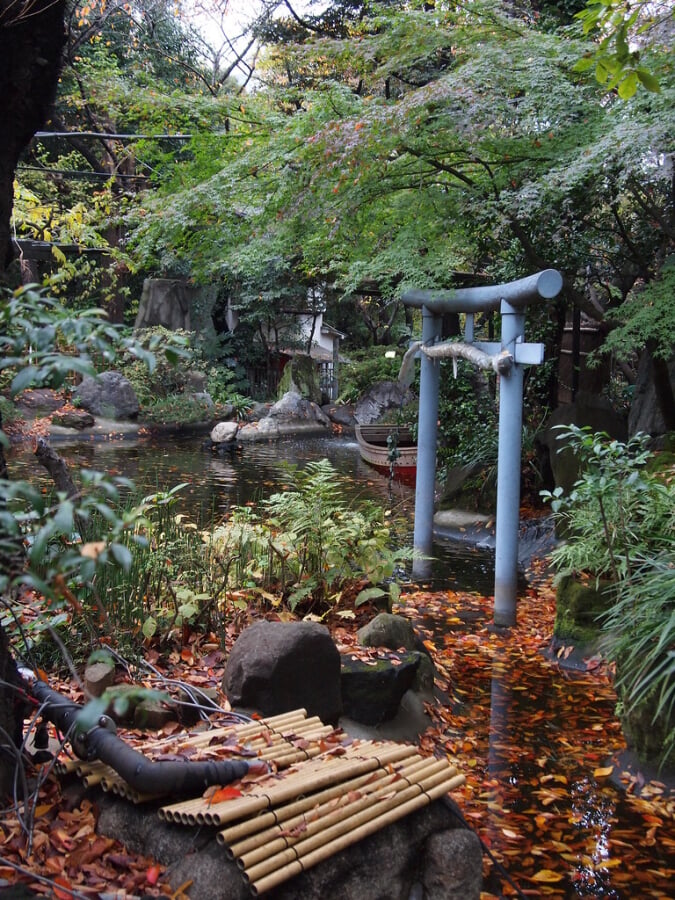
(217, 483)
(534, 735)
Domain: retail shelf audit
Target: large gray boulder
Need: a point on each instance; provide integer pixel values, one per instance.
(424, 854)
(275, 667)
(110, 395)
(224, 432)
(291, 415)
(380, 398)
(590, 410)
(341, 414)
(293, 407)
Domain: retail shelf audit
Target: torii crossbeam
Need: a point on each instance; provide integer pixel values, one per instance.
(507, 358)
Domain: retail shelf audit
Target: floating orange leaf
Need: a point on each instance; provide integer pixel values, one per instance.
(547, 876)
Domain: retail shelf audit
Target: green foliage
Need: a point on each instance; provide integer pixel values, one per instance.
(170, 581)
(411, 143)
(619, 521)
(165, 379)
(51, 548)
(180, 409)
(166, 395)
(307, 543)
(647, 318)
(468, 418)
(615, 496)
(640, 638)
(365, 368)
(624, 29)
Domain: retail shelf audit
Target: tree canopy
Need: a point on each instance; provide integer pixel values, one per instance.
(419, 141)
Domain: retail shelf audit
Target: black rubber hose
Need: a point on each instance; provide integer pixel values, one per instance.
(173, 777)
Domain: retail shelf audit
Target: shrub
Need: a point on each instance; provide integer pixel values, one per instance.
(307, 543)
(619, 520)
(365, 368)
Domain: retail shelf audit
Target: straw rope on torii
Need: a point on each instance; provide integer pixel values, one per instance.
(498, 362)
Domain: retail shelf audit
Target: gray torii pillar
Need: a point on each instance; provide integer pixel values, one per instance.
(511, 299)
(427, 435)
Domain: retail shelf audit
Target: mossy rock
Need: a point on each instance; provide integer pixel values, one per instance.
(579, 604)
(301, 375)
(651, 739)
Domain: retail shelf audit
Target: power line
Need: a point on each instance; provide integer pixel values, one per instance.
(120, 137)
(78, 173)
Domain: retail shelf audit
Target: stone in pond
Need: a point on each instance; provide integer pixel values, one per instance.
(372, 689)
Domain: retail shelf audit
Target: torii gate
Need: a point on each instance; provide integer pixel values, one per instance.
(507, 359)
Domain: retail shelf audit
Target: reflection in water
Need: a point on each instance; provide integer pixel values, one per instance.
(214, 484)
(537, 741)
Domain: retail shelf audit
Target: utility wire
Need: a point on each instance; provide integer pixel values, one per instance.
(119, 137)
(79, 173)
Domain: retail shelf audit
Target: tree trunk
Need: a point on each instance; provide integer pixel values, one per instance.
(32, 37)
(30, 60)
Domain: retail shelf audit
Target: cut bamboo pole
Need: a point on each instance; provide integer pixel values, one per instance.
(93, 779)
(304, 783)
(293, 814)
(264, 844)
(236, 832)
(318, 838)
(335, 845)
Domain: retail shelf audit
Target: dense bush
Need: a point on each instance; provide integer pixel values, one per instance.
(619, 521)
(364, 369)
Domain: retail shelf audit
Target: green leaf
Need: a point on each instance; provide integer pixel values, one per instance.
(149, 627)
(371, 593)
(24, 379)
(628, 86)
(121, 555)
(649, 81)
(89, 715)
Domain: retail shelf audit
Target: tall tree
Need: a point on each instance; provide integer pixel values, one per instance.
(423, 142)
(32, 38)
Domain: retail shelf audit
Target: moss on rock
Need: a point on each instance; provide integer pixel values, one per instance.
(578, 607)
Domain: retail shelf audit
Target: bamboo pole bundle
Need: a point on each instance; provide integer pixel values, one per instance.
(276, 838)
(355, 816)
(254, 740)
(292, 723)
(347, 833)
(327, 771)
(236, 832)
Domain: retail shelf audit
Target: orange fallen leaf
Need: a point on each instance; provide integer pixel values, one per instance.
(547, 876)
(603, 772)
(152, 875)
(58, 893)
(224, 793)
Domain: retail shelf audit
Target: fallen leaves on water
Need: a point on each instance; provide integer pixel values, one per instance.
(541, 748)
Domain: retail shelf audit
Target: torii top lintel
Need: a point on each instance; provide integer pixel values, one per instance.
(518, 294)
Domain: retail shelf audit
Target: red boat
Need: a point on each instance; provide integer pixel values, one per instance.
(391, 449)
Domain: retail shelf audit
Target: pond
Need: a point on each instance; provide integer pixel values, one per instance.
(217, 483)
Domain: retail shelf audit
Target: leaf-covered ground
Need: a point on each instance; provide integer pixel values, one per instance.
(548, 789)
